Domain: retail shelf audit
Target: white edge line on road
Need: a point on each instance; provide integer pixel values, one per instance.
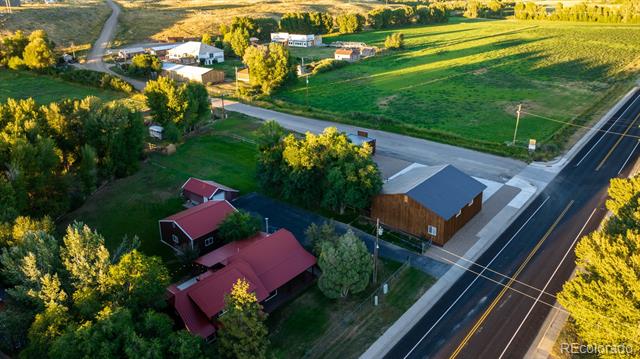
(628, 158)
(606, 132)
(475, 279)
(548, 282)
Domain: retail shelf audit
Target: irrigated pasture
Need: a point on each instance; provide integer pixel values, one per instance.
(461, 82)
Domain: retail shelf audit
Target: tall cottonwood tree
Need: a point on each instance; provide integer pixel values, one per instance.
(243, 334)
(604, 296)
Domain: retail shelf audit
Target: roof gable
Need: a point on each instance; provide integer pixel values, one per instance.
(445, 190)
(204, 218)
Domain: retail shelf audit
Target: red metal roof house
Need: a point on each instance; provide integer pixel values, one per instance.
(197, 191)
(267, 262)
(195, 227)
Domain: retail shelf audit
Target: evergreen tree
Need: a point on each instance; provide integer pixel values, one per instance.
(346, 266)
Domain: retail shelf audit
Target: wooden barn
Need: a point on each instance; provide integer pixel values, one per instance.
(432, 202)
(197, 191)
(192, 73)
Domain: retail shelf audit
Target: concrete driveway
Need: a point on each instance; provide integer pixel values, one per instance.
(297, 220)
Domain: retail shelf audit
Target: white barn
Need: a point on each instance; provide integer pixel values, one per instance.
(197, 51)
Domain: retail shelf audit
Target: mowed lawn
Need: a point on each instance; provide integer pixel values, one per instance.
(133, 205)
(45, 89)
(460, 82)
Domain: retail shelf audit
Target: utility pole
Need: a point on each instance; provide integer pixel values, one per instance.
(306, 78)
(224, 116)
(515, 132)
(375, 251)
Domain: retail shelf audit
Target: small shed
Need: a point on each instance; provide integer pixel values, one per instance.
(432, 202)
(197, 191)
(361, 138)
(180, 72)
(350, 55)
(156, 131)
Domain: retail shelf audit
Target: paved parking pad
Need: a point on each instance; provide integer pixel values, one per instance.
(297, 220)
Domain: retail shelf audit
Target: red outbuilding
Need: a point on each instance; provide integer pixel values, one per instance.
(197, 191)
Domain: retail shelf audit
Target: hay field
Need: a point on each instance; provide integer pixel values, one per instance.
(461, 82)
(73, 21)
(155, 20)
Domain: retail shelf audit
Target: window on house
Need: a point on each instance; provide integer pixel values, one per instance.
(432, 230)
(175, 239)
(208, 241)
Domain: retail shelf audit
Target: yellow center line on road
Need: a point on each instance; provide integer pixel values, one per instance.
(511, 281)
(617, 143)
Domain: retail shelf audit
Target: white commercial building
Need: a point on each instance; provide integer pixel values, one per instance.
(296, 40)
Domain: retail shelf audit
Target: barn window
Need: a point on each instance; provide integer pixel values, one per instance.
(432, 230)
(406, 199)
(175, 239)
(208, 241)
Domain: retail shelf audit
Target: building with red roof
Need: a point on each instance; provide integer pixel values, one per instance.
(197, 191)
(195, 227)
(270, 263)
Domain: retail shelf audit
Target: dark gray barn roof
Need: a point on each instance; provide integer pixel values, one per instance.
(445, 190)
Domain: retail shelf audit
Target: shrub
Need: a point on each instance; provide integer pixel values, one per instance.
(394, 41)
(97, 79)
(328, 65)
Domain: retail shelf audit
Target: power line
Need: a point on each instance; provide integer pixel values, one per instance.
(581, 126)
(494, 271)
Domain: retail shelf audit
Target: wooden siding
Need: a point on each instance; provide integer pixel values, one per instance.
(167, 229)
(402, 212)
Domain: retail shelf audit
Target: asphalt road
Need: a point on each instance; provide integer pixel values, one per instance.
(411, 149)
(497, 307)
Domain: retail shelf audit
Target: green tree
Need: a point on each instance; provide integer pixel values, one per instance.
(602, 297)
(394, 41)
(318, 234)
(198, 107)
(165, 100)
(350, 23)
(269, 66)
(144, 65)
(346, 266)
(243, 334)
(472, 10)
(12, 46)
(85, 257)
(207, 39)
(239, 225)
(137, 281)
(38, 55)
(23, 226)
(8, 204)
(87, 170)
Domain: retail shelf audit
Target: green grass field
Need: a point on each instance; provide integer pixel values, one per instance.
(45, 89)
(133, 205)
(461, 82)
